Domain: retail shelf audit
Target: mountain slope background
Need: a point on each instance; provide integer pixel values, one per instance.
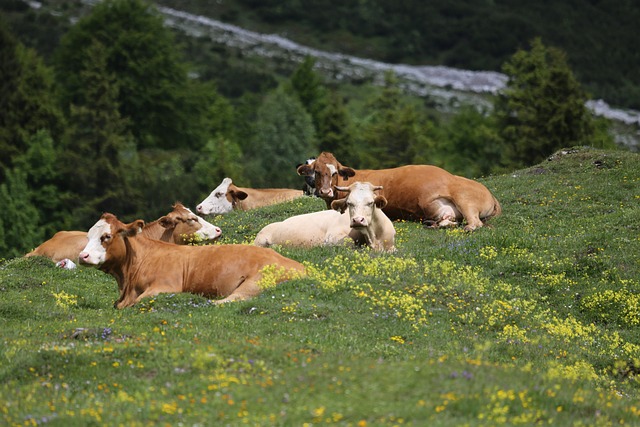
(599, 37)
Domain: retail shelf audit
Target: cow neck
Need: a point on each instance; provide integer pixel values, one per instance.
(154, 230)
(123, 269)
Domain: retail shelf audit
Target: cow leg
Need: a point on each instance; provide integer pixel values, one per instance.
(472, 216)
(247, 288)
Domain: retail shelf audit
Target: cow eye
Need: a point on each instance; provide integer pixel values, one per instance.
(218, 194)
(105, 237)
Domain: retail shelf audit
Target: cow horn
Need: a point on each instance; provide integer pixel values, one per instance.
(342, 189)
(377, 187)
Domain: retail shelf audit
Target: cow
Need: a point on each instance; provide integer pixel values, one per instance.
(145, 267)
(366, 215)
(415, 192)
(309, 186)
(178, 227)
(227, 197)
(364, 223)
(323, 228)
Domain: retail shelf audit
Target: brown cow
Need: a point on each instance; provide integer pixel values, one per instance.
(174, 227)
(145, 267)
(418, 192)
(227, 197)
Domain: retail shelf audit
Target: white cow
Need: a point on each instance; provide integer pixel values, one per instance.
(366, 216)
(227, 197)
(365, 224)
(313, 229)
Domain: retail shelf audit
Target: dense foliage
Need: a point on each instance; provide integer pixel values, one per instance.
(116, 118)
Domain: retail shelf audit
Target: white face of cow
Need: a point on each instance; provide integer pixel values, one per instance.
(208, 230)
(94, 253)
(361, 204)
(217, 202)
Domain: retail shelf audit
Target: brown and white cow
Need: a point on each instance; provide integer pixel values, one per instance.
(178, 226)
(226, 197)
(145, 267)
(364, 223)
(417, 192)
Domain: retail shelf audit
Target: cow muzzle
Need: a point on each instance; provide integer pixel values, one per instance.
(359, 222)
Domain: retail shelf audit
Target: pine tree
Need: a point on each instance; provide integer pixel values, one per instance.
(95, 144)
(334, 131)
(542, 108)
(307, 87)
(162, 105)
(284, 137)
(27, 104)
(18, 217)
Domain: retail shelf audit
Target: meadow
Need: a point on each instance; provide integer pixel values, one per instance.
(531, 320)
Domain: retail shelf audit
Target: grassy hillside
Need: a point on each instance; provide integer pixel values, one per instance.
(533, 320)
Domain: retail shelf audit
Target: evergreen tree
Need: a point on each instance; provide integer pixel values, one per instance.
(471, 145)
(27, 104)
(284, 136)
(18, 217)
(335, 129)
(41, 164)
(95, 144)
(394, 133)
(542, 108)
(307, 87)
(164, 108)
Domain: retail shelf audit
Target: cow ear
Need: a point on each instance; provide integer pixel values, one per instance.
(380, 201)
(339, 205)
(346, 172)
(167, 222)
(134, 228)
(305, 170)
(239, 194)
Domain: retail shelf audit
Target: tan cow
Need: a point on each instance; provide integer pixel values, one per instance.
(144, 267)
(417, 192)
(174, 227)
(227, 197)
(364, 223)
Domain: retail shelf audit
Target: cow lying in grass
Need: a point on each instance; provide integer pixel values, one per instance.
(364, 223)
(227, 197)
(417, 192)
(144, 267)
(178, 226)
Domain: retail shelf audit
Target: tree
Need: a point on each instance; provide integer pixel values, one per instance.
(307, 87)
(27, 104)
(96, 143)
(18, 217)
(334, 132)
(471, 145)
(542, 108)
(284, 136)
(394, 134)
(162, 105)
(41, 164)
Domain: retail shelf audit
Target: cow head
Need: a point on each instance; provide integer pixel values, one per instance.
(309, 187)
(325, 170)
(106, 240)
(181, 223)
(222, 199)
(361, 202)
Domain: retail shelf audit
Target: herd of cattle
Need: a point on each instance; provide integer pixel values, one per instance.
(151, 258)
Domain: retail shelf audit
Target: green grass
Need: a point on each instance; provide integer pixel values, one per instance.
(533, 320)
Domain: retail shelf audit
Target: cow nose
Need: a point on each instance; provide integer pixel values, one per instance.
(218, 231)
(199, 208)
(358, 221)
(328, 192)
(83, 256)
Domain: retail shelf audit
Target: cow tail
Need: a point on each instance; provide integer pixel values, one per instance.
(497, 209)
